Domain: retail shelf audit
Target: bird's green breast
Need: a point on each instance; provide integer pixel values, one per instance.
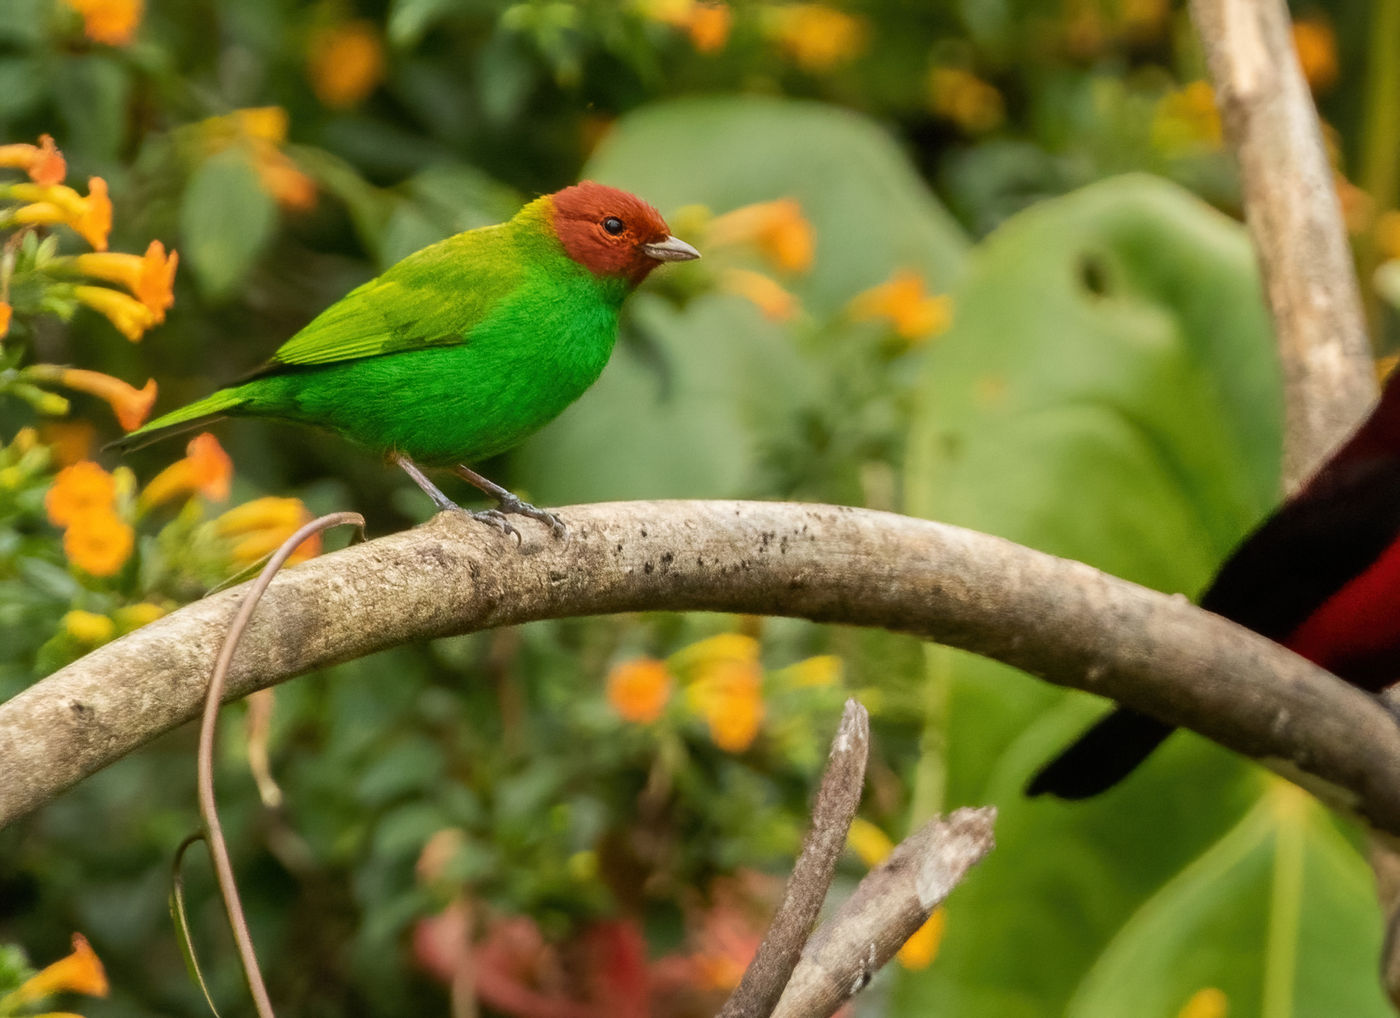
(515, 369)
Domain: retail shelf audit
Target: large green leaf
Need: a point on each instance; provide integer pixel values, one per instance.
(226, 219)
(673, 415)
(1108, 392)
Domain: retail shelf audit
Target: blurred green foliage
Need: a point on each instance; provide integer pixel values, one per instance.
(974, 261)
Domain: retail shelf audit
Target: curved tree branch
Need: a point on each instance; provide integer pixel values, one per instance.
(1062, 620)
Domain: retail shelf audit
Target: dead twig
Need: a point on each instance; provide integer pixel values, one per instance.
(893, 901)
(1295, 220)
(837, 799)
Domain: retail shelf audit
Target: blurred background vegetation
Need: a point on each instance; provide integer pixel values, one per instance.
(977, 261)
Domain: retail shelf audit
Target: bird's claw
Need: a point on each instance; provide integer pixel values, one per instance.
(514, 506)
(496, 518)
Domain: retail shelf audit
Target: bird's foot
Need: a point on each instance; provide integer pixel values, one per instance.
(511, 505)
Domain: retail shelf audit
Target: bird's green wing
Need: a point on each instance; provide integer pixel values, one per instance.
(435, 297)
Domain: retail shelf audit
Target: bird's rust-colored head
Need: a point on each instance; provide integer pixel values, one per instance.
(613, 233)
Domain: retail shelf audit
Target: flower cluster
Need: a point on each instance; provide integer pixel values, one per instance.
(131, 551)
(815, 37)
(723, 683)
(36, 280)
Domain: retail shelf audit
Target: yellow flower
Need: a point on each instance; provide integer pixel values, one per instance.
(82, 488)
(261, 123)
(258, 528)
(110, 22)
(764, 292)
(1316, 45)
(868, 842)
(6, 312)
(921, 948)
(89, 627)
(43, 162)
(777, 228)
(345, 63)
(99, 542)
(79, 972)
(205, 470)
(965, 99)
(728, 694)
(131, 405)
(822, 670)
(90, 217)
(913, 313)
(714, 650)
(127, 314)
(814, 36)
(638, 690)
(1209, 1002)
(149, 277)
(1187, 120)
(134, 616)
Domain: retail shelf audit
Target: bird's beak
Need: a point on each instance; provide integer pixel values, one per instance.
(672, 249)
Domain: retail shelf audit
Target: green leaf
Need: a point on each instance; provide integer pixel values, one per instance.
(226, 220)
(1108, 392)
(1283, 877)
(91, 93)
(409, 19)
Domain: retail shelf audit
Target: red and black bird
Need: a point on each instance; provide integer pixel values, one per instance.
(1320, 576)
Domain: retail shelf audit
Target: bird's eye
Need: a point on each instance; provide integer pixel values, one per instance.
(613, 225)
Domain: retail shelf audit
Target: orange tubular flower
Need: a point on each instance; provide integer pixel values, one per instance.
(707, 22)
(90, 217)
(43, 162)
(131, 405)
(149, 277)
(639, 690)
(913, 313)
(258, 528)
(763, 292)
(130, 317)
(262, 130)
(206, 470)
(777, 228)
(78, 490)
(80, 972)
(110, 22)
(345, 63)
(6, 312)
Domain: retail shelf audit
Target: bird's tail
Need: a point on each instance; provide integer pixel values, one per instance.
(1101, 757)
(187, 418)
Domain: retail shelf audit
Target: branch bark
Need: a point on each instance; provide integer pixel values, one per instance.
(1291, 207)
(1061, 620)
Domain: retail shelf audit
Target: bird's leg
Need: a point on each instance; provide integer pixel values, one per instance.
(491, 516)
(421, 479)
(509, 504)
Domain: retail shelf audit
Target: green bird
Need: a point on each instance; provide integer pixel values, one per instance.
(463, 349)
